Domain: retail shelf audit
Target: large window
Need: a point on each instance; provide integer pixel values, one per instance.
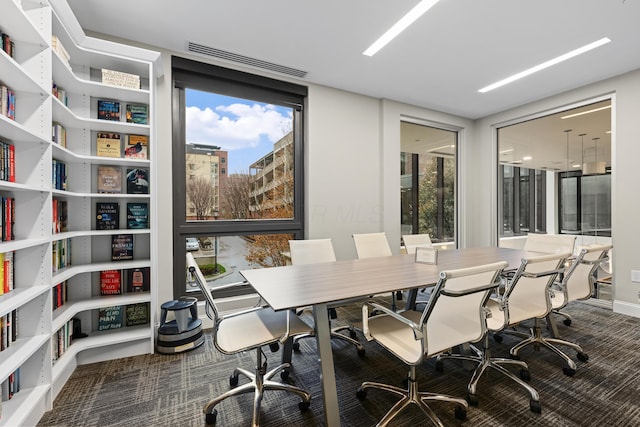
(585, 203)
(428, 182)
(523, 200)
(237, 168)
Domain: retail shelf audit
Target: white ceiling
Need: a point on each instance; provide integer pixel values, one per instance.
(440, 62)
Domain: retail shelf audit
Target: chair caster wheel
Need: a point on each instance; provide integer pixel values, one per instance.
(210, 419)
(497, 338)
(274, 347)
(439, 366)
(361, 394)
(525, 375)
(353, 334)
(284, 375)
(569, 371)
(534, 405)
(567, 322)
(461, 413)
(361, 352)
(296, 346)
(472, 399)
(303, 406)
(233, 381)
(583, 357)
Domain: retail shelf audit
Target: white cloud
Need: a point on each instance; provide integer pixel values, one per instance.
(235, 126)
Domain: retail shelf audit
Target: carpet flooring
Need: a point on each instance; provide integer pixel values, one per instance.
(170, 390)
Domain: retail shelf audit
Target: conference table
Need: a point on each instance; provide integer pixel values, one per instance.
(318, 285)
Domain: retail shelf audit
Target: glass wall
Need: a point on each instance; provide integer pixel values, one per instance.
(428, 182)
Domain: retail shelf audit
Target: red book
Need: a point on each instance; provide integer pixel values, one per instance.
(110, 282)
(12, 163)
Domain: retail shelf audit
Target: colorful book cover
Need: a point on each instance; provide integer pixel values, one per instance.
(137, 181)
(137, 314)
(137, 113)
(107, 215)
(109, 179)
(107, 144)
(110, 317)
(110, 282)
(138, 280)
(108, 110)
(137, 215)
(121, 247)
(137, 147)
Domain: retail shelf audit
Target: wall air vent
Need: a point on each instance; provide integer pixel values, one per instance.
(246, 60)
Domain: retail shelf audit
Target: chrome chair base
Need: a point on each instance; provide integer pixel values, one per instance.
(335, 333)
(258, 384)
(536, 339)
(484, 360)
(411, 395)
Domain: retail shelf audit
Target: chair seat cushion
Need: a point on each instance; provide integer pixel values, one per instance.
(257, 328)
(397, 337)
(496, 321)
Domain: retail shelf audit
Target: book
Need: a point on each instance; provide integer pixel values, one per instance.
(59, 208)
(110, 317)
(137, 113)
(108, 110)
(137, 147)
(137, 215)
(138, 181)
(110, 282)
(107, 215)
(121, 79)
(121, 247)
(107, 144)
(109, 179)
(137, 314)
(138, 280)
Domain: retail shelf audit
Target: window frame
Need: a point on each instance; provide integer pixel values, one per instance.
(536, 193)
(187, 73)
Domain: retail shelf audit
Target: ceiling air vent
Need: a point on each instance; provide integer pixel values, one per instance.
(246, 60)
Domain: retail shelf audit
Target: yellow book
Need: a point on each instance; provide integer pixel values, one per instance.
(108, 144)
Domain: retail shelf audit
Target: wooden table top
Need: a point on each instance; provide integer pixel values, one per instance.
(303, 285)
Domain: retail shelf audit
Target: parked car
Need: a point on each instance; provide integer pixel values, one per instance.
(192, 244)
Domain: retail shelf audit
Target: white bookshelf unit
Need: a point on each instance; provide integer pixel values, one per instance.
(32, 70)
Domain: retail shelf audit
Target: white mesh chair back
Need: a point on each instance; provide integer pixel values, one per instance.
(550, 243)
(582, 278)
(311, 251)
(455, 312)
(372, 245)
(412, 241)
(527, 294)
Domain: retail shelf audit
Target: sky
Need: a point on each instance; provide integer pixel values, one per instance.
(245, 129)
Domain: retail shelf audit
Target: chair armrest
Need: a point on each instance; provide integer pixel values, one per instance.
(417, 329)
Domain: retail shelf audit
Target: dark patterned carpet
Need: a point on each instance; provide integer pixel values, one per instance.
(170, 390)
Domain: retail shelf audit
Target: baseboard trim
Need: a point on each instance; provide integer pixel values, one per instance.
(626, 308)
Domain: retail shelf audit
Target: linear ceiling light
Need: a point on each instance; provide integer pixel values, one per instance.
(585, 112)
(400, 26)
(547, 64)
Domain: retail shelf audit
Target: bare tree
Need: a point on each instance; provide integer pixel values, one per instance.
(236, 195)
(201, 196)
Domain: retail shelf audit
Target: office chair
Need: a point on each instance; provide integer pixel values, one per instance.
(577, 284)
(454, 315)
(372, 245)
(249, 329)
(313, 251)
(583, 280)
(525, 296)
(549, 243)
(412, 241)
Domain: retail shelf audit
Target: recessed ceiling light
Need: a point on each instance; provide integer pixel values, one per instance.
(527, 158)
(400, 26)
(546, 64)
(585, 112)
